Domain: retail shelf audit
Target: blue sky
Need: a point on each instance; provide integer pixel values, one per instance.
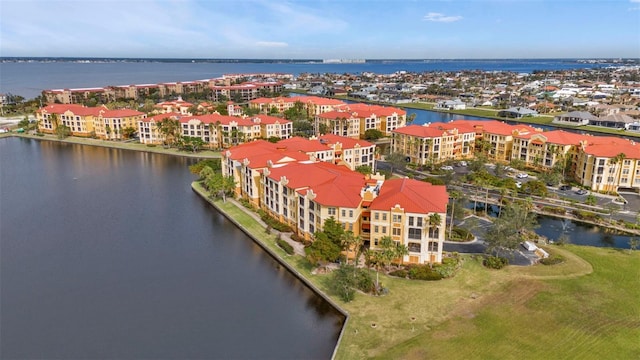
(317, 29)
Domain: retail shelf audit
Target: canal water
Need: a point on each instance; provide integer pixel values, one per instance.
(108, 253)
(578, 233)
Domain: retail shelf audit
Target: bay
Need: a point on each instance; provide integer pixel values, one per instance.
(29, 78)
(108, 253)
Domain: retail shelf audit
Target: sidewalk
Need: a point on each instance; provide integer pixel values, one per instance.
(298, 248)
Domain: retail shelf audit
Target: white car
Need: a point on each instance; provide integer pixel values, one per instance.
(447, 168)
(518, 184)
(522, 175)
(462, 163)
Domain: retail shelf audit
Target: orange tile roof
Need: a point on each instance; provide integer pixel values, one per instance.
(378, 110)
(266, 119)
(121, 113)
(421, 131)
(160, 117)
(260, 152)
(412, 195)
(609, 147)
(333, 185)
(76, 109)
(347, 143)
(298, 143)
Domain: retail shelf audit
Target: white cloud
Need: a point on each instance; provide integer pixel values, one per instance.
(272, 44)
(438, 17)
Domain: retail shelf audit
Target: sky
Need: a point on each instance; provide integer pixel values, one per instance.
(321, 29)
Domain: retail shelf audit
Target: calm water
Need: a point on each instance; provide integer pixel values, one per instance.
(106, 253)
(29, 79)
(579, 233)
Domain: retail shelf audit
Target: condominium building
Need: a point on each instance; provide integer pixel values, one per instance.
(544, 149)
(434, 143)
(88, 121)
(608, 164)
(304, 192)
(350, 152)
(498, 137)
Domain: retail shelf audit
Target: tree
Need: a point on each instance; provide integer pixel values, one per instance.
(220, 185)
(364, 169)
(191, 143)
(373, 134)
(351, 241)
(508, 231)
(434, 223)
(396, 160)
(129, 132)
(169, 129)
(63, 131)
(411, 118)
(343, 282)
(322, 250)
(334, 231)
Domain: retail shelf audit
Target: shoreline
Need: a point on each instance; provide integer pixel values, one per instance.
(134, 146)
(260, 242)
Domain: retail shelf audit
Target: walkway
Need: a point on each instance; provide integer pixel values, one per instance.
(298, 248)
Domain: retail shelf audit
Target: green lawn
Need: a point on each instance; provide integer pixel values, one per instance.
(587, 307)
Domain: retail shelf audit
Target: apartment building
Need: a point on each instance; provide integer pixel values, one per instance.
(434, 143)
(608, 164)
(303, 192)
(245, 91)
(498, 137)
(543, 150)
(266, 105)
(148, 130)
(350, 152)
(413, 213)
(273, 127)
(88, 121)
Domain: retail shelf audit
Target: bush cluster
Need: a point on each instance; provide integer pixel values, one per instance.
(401, 273)
(495, 262)
(285, 246)
(552, 260)
(586, 215)
(423, 272)
(461, 234)
(554, 210)
(448, 267)
(273, 223)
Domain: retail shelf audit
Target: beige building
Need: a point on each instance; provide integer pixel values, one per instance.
(434, 143)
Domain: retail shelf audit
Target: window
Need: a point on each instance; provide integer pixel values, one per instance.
(375, 229)
(350, 213)
(410, 220)
(419, 222)
(376, 216)
(384, 216)
(344, 213)
(384, 229)
(433, 246)
(397, 231)
(397, 218)
(415, 234)
(331, 211)
(414, 247)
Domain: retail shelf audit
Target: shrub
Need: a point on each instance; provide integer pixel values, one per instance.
(423, 272)
(401, 273)
(461, 234)
(554, 210)
(364, 281)
(495, 262)
(552, 260)
(448, 267)
(285, 246)
(151, 145)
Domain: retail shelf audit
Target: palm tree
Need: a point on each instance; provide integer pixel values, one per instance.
(613, 162)
(434, 222)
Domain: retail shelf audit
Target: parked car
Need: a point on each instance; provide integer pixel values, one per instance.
(522, 175)
(447, 168)
(565, 187)
(462, 163)
(518, 184)
(582, 192)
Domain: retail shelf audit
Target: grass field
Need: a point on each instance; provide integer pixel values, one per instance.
(587, 307)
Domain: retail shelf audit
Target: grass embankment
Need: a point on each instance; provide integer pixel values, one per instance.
(586, 307)
(136, 146)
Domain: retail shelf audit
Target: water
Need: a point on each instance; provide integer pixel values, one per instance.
(578, 233)
(107, 253)
(28, 79)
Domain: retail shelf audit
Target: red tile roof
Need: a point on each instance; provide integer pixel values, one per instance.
(609, 147)
(266, 119)
(297, 143)
(421, 131)
(261, 152)
(347, 143)
(412, 195)
(333, 185)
